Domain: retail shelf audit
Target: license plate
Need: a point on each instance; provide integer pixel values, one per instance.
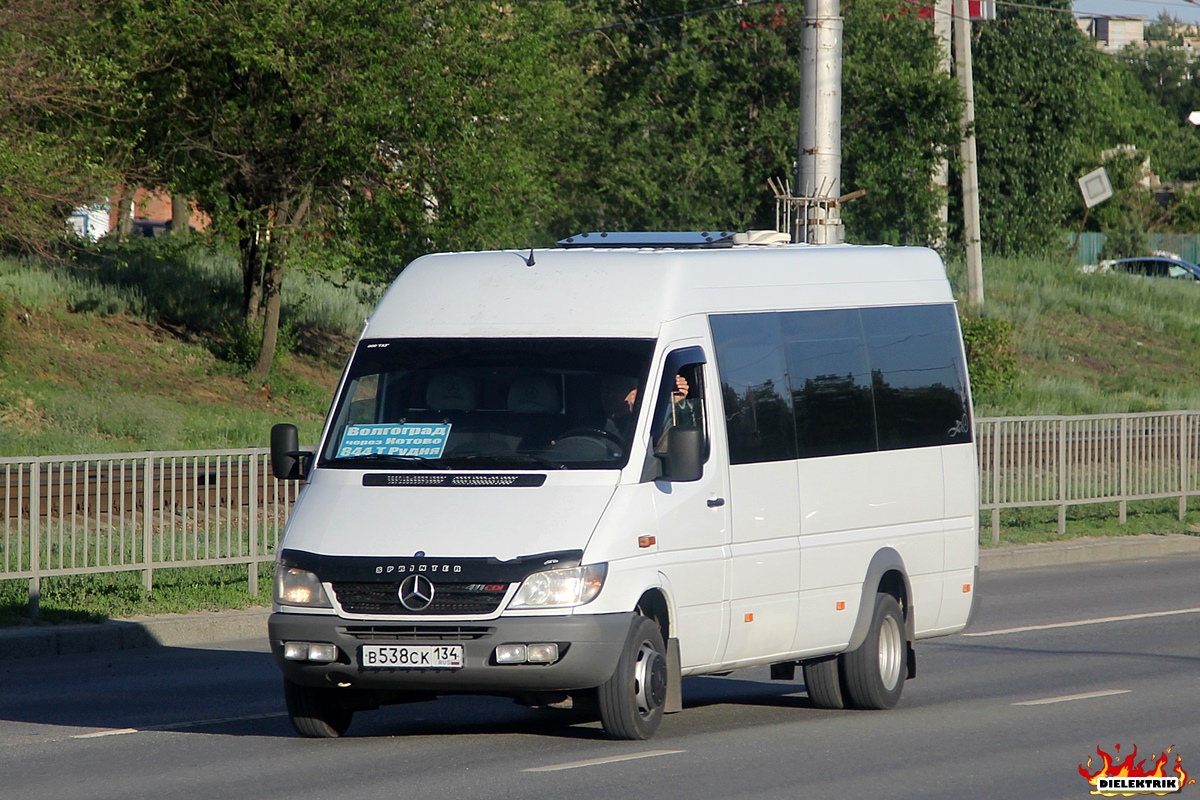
(411, 656)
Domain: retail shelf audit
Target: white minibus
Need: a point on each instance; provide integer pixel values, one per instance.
(575, 476)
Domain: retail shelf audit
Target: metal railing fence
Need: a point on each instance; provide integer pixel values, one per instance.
(1106, 458)
(74, 515)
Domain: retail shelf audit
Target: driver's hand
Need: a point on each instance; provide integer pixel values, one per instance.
(681, 388)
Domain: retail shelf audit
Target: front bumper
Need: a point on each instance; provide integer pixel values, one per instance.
(589, 646)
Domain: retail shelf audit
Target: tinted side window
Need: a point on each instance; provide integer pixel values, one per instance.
(754, 387)
(917, 376)
(831, 382)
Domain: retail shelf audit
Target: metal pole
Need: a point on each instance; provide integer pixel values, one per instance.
(970, 173)
(148, 523)
(253, 525)
(35, 541)
(819, 160)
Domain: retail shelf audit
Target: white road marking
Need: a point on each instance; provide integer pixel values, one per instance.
(98, 734)
(1068, 697)
(599, 761)
(178, 726)
(1077, 623)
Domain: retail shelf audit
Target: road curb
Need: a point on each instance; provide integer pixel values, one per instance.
(185, 630)
(1087, 551)
(164, 630)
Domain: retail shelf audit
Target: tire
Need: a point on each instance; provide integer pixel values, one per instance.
(631, 701)
(823, 683)
(316, 712)
(873, 675)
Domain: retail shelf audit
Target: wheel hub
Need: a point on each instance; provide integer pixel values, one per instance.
(891, 653)
(650, 680)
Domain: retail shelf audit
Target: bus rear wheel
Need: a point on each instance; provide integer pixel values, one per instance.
(874, 672)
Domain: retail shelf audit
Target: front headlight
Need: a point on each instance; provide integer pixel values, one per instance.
(299, 587)
(560, 588)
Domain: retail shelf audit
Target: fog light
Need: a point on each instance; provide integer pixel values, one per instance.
(310, 651)
(541, 653)
(510, 654)
(295, 651)
(322, 652)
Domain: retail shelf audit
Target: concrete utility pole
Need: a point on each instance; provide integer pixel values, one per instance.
(943, 14)
(970, 173)
(819, 160)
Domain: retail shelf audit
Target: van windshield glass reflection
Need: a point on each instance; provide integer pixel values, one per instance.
(489, 403)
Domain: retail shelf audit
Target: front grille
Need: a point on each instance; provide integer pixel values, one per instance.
(413, 633)
(449, 598)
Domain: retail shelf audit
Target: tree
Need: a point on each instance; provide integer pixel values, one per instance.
(695, 109)
(497, 103)
(316, 130)
(698, 108)
(900, 115)
(56, 86)
(1165, 28)
(1033, 72)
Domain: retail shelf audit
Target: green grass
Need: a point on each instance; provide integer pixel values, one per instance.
(1091, 343)
(94, 598)
(127, 349)
(1020, 526)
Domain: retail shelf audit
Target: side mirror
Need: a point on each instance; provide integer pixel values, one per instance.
(287, 459)
(682, 454)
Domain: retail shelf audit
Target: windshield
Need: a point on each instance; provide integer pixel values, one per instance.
(489, 403)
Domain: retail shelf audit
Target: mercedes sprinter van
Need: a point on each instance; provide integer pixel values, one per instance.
(577, 475)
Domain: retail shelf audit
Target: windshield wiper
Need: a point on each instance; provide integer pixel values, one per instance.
(509, 458)
(387, 458)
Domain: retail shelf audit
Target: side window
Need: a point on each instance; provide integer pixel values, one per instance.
(831, 382)
(754, 387)
(680, 401)
(918, 377)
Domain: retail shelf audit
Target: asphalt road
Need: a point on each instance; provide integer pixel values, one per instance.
(1060, 662)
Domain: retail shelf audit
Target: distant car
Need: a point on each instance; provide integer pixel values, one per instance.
(1154, 267)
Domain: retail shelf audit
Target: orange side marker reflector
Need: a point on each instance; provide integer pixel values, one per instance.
(647, 541)
(966, 588)
(749, 618)
(841, 605)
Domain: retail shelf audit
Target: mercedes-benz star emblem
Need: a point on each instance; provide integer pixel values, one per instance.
(416, 592)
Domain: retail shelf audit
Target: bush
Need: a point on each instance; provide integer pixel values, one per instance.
(240, 343)
(1127, 239)
(991, 357)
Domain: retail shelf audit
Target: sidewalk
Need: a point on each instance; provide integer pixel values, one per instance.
(184, 630)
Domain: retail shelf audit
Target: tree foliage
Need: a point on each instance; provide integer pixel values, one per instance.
(900, 115)
(319, 130)
(353, 135)
(1032, 69)
(691, 114)
(57, 78)
(696, 111)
